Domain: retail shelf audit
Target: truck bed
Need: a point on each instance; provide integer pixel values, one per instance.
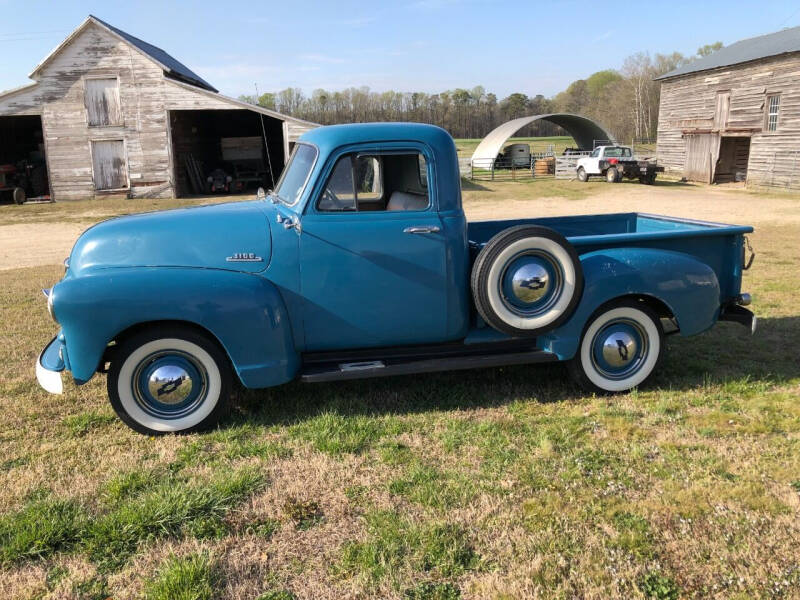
(717, 244)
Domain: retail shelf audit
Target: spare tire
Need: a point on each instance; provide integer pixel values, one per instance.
(527, 280)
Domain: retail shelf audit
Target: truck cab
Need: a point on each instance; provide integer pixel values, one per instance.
(361, 263)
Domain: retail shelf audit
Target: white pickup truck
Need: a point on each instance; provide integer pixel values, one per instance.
(615, 163)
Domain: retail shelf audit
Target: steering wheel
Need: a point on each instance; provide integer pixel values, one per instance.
(329, 196)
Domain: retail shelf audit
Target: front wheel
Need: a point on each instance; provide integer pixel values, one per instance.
(169, 380)
(620, 348)
(582, 175)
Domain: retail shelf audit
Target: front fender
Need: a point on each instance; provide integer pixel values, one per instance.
(246, 314)
(687, 286)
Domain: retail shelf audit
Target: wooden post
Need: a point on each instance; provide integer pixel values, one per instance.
(710, 176)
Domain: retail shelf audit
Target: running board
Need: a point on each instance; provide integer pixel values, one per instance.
(317, 373)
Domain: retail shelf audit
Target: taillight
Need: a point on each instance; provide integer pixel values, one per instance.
(612, 161)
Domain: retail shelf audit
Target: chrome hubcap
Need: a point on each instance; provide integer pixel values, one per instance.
(619, 349)
(530, 283)
(170, 384)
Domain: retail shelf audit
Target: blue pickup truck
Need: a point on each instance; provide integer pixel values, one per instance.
(361, 263)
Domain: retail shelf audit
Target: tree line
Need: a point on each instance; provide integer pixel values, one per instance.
(625, 101)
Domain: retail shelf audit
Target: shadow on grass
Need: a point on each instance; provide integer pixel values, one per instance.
(726, 354)
(672, 183)
(470, 185)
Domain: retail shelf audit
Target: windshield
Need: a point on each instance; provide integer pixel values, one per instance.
(295, 176)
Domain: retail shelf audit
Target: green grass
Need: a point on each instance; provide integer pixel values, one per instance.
(169, 509)
(89, 211)
(429, 590)
(432, 487)
(192, 577)
(277, 595)
(81, 424)
(394, 544)
(41, 528)
(466, 146)
(338, 434)
(500, 483)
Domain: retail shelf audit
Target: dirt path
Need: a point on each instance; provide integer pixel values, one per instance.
(33, 244)
(704, 203)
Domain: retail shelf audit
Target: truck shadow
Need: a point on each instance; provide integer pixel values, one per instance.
(726, 354)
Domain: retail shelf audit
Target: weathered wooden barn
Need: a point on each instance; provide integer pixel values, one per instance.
(735, 115)
(108, 113)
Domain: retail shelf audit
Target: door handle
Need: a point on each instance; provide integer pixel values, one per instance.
(422, 229)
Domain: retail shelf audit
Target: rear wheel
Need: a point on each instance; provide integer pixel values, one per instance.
(582, 176)
(169, 380)
(19, 195)
(612, 175)
(620, 348)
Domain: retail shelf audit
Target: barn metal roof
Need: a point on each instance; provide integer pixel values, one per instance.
(763, 46)
(584, 131)
(174, 66)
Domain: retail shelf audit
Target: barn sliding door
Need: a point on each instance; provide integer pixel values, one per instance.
(109, 165)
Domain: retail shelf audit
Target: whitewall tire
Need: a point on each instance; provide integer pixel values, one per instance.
(620, 348)
(526, 280)
(169, 380)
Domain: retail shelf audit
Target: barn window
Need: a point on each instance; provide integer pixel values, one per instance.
(109, 165)
(102, 102)
(773, 107)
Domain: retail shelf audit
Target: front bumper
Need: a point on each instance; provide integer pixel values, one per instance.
(50, 366)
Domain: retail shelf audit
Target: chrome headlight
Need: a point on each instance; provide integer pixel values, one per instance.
(50, 296)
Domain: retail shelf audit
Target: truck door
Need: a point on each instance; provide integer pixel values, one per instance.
(374, 254)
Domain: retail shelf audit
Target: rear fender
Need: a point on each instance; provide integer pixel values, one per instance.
(688, 287)
(245, 313)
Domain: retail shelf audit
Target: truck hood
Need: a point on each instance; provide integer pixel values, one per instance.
(233, 236)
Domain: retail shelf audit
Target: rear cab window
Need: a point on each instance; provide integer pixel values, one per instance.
(617, 152)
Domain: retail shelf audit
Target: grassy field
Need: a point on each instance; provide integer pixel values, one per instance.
(503, 483)
(467, 146)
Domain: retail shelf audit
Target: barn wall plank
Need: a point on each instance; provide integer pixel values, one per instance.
(689, 107)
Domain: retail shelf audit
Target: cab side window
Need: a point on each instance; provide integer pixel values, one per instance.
(339, 193)
(377, 182)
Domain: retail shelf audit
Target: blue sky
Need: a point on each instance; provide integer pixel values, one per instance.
(415, 45)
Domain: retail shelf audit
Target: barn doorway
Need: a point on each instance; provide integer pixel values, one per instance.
(734, 155)
(23, 164)
(223, 151)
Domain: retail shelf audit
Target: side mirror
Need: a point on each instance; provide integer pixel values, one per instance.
(261, 194)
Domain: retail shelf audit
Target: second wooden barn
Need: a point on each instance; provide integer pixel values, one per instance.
(735, 115)
(108, 113)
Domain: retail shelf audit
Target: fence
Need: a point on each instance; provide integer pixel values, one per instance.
(644, 147)
(567, 164)
(512, 168)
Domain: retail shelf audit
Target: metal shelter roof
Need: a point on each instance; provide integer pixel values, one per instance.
(763, 46)
(584, 131)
